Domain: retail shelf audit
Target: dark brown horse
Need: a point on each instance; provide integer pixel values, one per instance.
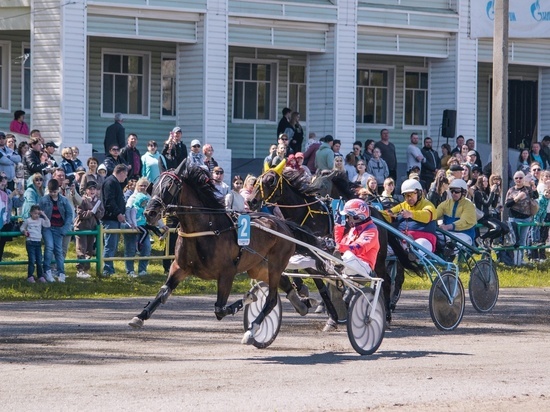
(207, 243)
(297, 199)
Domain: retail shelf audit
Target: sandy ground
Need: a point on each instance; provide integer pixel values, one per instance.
(81, 355)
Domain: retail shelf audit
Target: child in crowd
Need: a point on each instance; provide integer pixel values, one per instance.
(129, 189)
(88, 215)
(32, 229)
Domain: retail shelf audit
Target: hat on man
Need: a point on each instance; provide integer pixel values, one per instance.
(328, 138)
(456, 168)
(195, 142)
(51, 144)
(472, 153)
(2, 134)
(176, 129)
(102, 167)
(299, 155)
(90, 184)
(80, 169)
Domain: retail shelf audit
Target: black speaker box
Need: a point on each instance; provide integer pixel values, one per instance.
(449, 123)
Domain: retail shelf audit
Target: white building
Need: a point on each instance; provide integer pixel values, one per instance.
(224, 69)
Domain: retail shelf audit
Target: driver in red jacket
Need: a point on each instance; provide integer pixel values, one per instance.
(357, 238)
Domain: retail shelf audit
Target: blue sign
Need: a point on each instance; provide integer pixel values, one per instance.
(243, 230)
(336, 206)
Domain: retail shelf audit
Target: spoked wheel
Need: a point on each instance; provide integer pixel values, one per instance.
(483, 286)
(269, 328)
(365, 332)
(447, 310)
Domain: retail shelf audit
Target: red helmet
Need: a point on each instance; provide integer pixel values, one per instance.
(357, 210)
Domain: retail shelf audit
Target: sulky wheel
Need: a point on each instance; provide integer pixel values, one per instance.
(483, 286)
(366, 331)
(269, 328)
(447, 311)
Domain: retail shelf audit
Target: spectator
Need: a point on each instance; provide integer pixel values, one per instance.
(21, 170)
(32, 229)
(112, 160)
(414, 154)
(76, 160)
(295, 133)
(291, 162)
(131, 157)
(471, 158)
(362, 175)
(135, 206)
(114, 135)
(92, 175)
(88, 215)
(269, 158)
(357, 146)
(129, 189)
(67, 163)
(369, 147)
(524, 161)
(114, 217)
(11, 142)
(9, 200)
(18, 124)
(284, 123)
(485, 199)
(324, 157)
(221, 187)
(248, 188)
(445, 156)
(387, 151)
(336, 144)
(32, 159)
(150, 162)
(538, 156)
(339, 165)
(209, 161)
(378, 168)
(36, 133)
(438, 192)
(544, 146)
(33, 194)
(312, 138)
(195, 157)
(518, 199)
(280, 156)
(102, 171)
(284, 140)
(350, 164)
(8, 161)
(387, 198)
(471, 146)
(61, 215)
(463, 153)
(50, 147)
(310, 156)
(459, 144)
(301, 166)
(174, 150)
(79, 175)
(431, 163)
(234, 201)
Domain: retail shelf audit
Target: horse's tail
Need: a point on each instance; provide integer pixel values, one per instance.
(402, 256)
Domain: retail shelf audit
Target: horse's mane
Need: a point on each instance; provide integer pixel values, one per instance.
(336, 178)
(201, 181)
(299, 181)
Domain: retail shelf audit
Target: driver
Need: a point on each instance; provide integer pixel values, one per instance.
(357, 237)
(458, 213)
(415, 216)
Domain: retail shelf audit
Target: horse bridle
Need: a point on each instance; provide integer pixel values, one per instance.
(173, 190)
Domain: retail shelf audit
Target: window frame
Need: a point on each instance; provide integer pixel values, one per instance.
(274, 91)
(5, 96)
(416, 70)
(24, 106)
(303, 113)
(169, 56)
(390, 104)
(146, 98)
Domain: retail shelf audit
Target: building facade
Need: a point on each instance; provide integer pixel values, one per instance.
(224, 69)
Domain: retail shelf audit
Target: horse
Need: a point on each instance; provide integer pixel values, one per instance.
(207, 244)
(291, 191)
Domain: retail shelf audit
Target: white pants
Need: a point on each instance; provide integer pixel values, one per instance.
(354, 265)
(425, 243)
(297, 262)
(462, 236)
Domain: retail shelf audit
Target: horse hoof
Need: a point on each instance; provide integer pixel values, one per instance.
(248, 339)
(136, 323)
(298, 304)
(330, 326)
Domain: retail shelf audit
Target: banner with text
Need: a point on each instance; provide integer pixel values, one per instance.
(528, 18)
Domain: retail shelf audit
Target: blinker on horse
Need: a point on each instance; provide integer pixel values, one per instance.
(207, 243)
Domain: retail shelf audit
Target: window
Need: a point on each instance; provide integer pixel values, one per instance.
(125, 84)
(416, 98)
(374, 96)
(297, 90)
(254, 91)
(168, 72)
(4, 74)
(26, 58)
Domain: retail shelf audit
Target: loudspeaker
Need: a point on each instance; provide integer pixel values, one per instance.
(449, 123)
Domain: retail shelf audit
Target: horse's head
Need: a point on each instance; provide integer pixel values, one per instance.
(163, 193)
(267, 188)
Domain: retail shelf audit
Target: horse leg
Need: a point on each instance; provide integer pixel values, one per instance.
(299, 304)
(332, 322)
(224, 289)
(398, 284)
(174, 278)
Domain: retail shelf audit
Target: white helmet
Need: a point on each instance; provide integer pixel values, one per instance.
(458, 184)
(410, 186)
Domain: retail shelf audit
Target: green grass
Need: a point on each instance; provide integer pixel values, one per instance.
(13, 285)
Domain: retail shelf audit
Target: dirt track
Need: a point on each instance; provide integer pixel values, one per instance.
(80, 355)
